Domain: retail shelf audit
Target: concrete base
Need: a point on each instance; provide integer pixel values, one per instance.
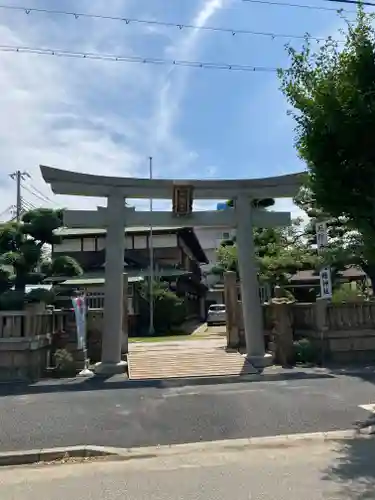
(85, 373)
(260, 362)
(110, 368)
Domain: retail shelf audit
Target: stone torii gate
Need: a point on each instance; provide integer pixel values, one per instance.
(116, 216)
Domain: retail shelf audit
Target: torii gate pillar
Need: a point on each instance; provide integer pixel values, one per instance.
(250, 297)
(111, 362)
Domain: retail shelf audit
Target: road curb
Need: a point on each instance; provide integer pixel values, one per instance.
(174, 382)
(27, 457)
(30, 457)
(228, 445)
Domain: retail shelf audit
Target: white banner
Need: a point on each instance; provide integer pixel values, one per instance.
(325, 283)
(325, 272)
(79, 306)
(321, 235)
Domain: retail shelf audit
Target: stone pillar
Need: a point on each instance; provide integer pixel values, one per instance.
(111, 362)
(322, 327)
(251, 306)
(282, 329)
(202, 308)
(231, 306)
(125, 318)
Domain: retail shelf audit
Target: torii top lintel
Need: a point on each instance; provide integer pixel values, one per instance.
(80, 184)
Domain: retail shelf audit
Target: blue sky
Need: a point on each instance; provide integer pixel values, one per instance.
(108, 118)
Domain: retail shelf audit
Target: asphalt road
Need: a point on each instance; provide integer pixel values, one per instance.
(312, 471)
(117, 414)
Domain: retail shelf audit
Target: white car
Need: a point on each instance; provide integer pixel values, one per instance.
(216, 315)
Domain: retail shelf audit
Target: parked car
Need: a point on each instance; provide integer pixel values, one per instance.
(216, 315)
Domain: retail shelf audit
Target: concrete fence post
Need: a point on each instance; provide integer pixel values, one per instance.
(125, 317)
(321, 325)
(283, 348)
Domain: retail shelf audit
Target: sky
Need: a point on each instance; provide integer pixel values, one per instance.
(108, 118)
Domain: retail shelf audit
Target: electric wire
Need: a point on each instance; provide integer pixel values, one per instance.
(36, 195)
(151, 22)
(300, 6)
(137, 59)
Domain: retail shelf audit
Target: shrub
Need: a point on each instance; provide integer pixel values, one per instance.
(347, 294)
(40, 295)
(169, 309)
(64, 363)
(305, 351)
(12, 300)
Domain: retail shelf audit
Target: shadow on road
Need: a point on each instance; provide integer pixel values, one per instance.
(120, 382)
(354, 469)
(366, 373)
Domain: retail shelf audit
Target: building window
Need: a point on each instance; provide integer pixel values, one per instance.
(226, 236)
(89, 244)
(100, 243)
(140, 242)
(68, 245)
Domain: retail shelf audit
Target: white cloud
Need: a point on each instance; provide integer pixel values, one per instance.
(72, 114)
(86, 115)
(287, 205)
(174, 83)
(94, 116)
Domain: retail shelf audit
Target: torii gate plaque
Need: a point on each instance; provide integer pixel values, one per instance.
(116, 216)
(182, 200)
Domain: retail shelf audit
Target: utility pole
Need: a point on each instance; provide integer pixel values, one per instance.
(19, 176)
(151, 329)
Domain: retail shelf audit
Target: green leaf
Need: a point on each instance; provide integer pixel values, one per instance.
(23, 248)
(65, 266)
(332, 94)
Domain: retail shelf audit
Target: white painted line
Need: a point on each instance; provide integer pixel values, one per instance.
(369, 407)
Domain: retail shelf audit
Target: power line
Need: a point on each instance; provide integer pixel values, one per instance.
(21, 202)
(40, 193)
(355, 2)
(7, 210)
(42, 198)
(19, 176)
(300, 6)
(136, 59)
(132, 20)
(27, 205)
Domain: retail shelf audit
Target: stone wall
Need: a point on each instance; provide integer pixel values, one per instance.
(24, 344)
(343, 333)
(29, 339)
(65, 334)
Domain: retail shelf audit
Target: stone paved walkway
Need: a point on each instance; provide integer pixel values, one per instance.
(185, 358)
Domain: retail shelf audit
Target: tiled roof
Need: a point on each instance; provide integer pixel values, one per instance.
(135, 276)
(311, 275)
(65, 231)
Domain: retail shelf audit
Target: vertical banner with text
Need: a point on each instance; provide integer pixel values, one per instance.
(79, 306)
(325, 272)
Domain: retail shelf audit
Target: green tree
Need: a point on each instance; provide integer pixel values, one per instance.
(169, 309)
(346, 247)
(22, 246)
(332, 94)
(280, 253)
(61, 266)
